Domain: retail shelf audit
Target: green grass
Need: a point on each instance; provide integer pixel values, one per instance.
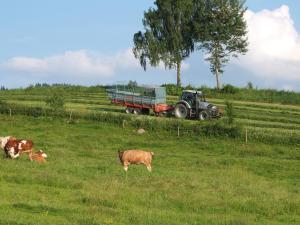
(196, 180)
(267, 122)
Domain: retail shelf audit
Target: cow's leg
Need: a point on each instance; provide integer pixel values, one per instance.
(149, 168)
(16, 155)
(126, 164)
(11, 153)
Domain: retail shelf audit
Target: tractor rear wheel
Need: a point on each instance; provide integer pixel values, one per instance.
(181, 111)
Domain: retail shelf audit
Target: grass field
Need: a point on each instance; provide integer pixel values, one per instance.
(195, 180)
(260, 118)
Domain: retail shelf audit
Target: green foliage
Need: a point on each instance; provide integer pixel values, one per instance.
(249, 85)
(245, 94)
(229, 112)
(171, 89)
(56, 101)
(229, 89)
(167, 37)
(221, 30)
(132, 84)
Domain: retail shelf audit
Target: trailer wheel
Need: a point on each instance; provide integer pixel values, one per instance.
(137, 111)
(128, 110)
(145, 111)
(204, 115)
(181, 111)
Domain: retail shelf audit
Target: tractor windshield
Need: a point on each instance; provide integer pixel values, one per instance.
(201, 97)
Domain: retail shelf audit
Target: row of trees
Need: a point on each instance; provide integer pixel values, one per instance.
(176, 28)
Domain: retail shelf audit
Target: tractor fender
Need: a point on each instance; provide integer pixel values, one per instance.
(184, 103)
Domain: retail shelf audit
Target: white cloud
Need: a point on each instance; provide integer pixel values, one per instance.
(80, 63)
(274, 45)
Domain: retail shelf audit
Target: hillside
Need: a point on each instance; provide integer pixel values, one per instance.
(197, 179)
(270, 122)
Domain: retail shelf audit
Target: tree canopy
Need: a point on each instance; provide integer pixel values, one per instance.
(174, 27)
(221, 31)
(167, 37)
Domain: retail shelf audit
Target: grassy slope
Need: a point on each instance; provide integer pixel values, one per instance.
(195, 181)
(261, 119)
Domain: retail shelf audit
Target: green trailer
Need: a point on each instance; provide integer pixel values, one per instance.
(140, 99)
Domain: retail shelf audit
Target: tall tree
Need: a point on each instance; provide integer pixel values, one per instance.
(220, 29)
(167, 37)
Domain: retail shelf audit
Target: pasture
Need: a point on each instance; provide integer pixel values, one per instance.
(195, 179)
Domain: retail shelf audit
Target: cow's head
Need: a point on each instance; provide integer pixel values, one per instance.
(120, 156)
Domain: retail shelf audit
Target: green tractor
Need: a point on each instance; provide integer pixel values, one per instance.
(193, 105)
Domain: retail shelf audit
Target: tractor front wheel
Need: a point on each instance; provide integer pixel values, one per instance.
(181, 111)
(204, 115)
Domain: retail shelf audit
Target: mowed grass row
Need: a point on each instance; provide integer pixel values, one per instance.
(194, 181)
(249, 119)
(281, 118)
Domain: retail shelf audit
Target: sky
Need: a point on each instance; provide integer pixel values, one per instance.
(89, 42)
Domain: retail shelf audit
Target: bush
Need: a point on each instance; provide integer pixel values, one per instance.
(171, 89)
(56, 102)
(229, 89)
(249, 85)
(229, 112)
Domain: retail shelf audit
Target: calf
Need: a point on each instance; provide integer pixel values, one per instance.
(136, 157)
(14, 147)
(39, 156)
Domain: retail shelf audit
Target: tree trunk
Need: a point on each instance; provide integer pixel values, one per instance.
(178, 75)
(217, 78)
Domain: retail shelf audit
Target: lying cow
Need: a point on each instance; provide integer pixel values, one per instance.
(14, 147)
(4, 140)
(136, 157)
(39, 156)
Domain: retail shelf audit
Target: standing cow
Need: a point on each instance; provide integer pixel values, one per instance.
(136, 157)
(15, 147)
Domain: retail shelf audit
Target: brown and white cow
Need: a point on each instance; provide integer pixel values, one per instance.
(4, 140)
(39, 156)
(15, 147)
(136, 157)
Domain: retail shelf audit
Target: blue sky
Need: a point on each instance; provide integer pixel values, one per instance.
(88, 42)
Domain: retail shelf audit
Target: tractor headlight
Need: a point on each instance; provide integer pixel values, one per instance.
(214, 108)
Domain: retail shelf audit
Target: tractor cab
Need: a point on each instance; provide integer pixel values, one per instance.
(192, 97)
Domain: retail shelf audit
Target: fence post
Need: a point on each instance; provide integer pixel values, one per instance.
(10, 112)
(123, 124)
(178, 131)
(246, 135)
(70, 116)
